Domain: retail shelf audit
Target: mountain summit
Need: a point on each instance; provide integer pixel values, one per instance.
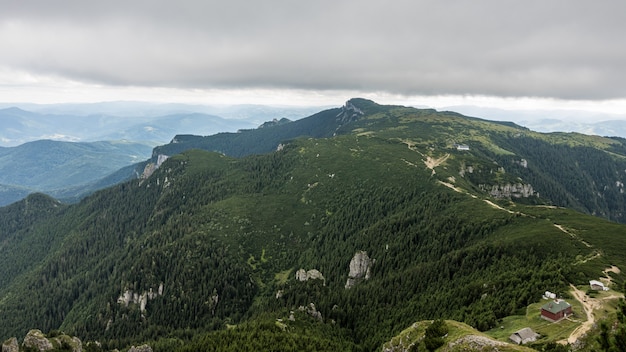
(248, 240)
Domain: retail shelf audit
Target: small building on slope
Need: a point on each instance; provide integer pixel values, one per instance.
(556, 310)
(524, 336)
(597, 285)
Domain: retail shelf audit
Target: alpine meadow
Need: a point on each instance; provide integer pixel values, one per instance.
(365, 227)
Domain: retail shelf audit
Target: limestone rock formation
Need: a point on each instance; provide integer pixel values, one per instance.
(73, 342)
(11, 345)
(360, 266)
(128, 297)
(517, 190)
(142, 348)
(37, 340)
(313, 274)
(152, 167)
(312, 311)
(349, 112)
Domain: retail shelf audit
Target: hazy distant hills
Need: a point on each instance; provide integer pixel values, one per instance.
(600, 124)
(54, 166)
(154, 123)
(18, 126)
(336, 234)
(34, 159)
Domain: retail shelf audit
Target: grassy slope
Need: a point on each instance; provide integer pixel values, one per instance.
(455, 340)
(313, 205)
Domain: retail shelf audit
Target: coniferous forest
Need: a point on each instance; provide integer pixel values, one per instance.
(205, 253)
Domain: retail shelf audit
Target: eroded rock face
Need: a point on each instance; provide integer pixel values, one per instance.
(517, 190)
(360, 266)
(73, 342)
(142, 348)
(313, 274)
(128, 297)
(312, 311)
(36, 339)
(11, 345)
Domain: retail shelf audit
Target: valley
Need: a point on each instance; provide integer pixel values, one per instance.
(329, 233)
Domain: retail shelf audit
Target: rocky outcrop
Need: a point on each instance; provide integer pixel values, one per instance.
(312, 311)
(35, 339)
(73, 342)
(517, 190)
(476, 343)
(313, 274)
(360, 266)
(152, 167)
(11, 345)
(128, 297)
(349, 112)
(142, 348)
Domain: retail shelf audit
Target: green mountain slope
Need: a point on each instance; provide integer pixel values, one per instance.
(504, 160)
(384, 208)
(63, 169)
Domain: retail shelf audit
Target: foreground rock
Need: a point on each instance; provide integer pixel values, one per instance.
(36, 339)
(11, 345)
(142, 348)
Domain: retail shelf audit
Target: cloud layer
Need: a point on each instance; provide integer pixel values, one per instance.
(557, 49)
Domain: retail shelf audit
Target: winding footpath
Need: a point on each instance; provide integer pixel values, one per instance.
(589, 306)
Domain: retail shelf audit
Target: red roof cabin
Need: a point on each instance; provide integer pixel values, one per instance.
(556, 310)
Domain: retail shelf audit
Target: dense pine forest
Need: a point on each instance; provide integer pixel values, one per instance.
(205, 253)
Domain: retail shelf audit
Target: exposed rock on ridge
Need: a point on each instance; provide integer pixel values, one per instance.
(142, 299)
(517, 190)
(349, 112)
(359, 268)
(37, 340)
(152, 167)
(313, 274)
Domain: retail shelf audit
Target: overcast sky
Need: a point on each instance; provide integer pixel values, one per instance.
(509, 54)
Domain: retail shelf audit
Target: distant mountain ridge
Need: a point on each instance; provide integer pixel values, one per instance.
(32, 162)
(388, 216)
(57, 167)
(547, 121)
(139, 122)
(550, 161)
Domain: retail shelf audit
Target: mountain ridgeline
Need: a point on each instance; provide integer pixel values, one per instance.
(586, 173)
(334, 232)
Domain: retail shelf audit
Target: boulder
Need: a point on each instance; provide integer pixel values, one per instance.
(37, 340)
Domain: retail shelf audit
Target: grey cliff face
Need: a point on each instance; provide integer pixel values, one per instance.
(360, 266)
(313, 274)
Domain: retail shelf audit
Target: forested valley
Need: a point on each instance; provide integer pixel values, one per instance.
(205, 253)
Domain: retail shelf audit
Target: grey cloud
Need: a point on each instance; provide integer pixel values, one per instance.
(559, 49)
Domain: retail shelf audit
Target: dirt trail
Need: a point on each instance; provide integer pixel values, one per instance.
(589, 306)
(498, 207)
(563, 229)
(432, 163)
(607, 276)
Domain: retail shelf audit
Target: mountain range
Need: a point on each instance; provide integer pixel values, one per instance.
(344, 230)
(133, 121)
(71, 150)
(67, 170)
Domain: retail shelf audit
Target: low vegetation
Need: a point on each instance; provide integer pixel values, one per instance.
(203, 253)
